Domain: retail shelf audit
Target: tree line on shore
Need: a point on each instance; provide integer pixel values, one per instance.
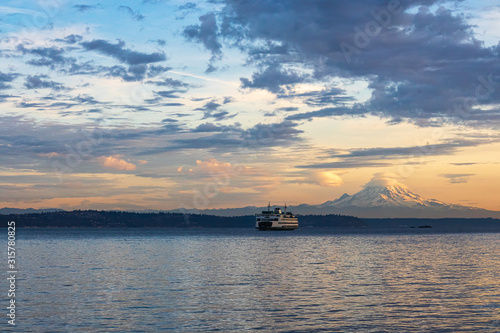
(122, 219)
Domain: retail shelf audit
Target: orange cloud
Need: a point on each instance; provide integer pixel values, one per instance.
(208, 167)
(325, 178)
(115, 162)
(213, 166)
(384, 179)
(50, 155)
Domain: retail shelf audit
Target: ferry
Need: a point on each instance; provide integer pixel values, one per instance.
(276, 220)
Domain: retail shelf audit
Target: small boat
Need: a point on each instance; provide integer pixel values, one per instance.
(276, 220)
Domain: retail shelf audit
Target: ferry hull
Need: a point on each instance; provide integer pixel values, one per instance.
(276, 229)
(277, 225)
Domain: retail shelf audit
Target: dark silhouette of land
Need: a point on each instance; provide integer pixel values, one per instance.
(120, 219)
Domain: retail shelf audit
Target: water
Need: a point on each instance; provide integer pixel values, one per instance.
(308, 280)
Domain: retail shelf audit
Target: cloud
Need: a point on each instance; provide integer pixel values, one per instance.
(168, 93)
(422, 62)
(211, 110)
(169, 120)
(208, 167)
(160, 42)
(37, 82)
(74, 147)
(87, 99)
(457, 178)
(217, 141)
(325, 178)
(49, 155)
(4, 97)
(211, 127)
(24, 104)
(288, 109)
(115, 162)
(169, 82)
(187, 5)
(137, 133)
(380, 157)
(136, 73)
(213, 166)
(133, 72)
(328, 112)
(329, 96)
(175, 104)
(119, 52)
(70, 39)
(384, 179)
(348, 164)
(223, 173)
(210, 106)
(23, 140)
(273, 134)
(233, 137)
(273, 78)
(464, 163)
(279, 111)
(6, 77)
(135, 15)
(84, 8)
(447, 148)
(206, 33)
(49, 56)
(55, 58)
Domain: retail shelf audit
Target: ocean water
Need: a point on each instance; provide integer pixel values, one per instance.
(307, 280)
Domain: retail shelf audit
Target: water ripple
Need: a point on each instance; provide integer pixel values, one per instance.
(241, 280)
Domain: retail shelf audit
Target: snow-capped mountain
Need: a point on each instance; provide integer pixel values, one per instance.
(399, 201)
(386, 196)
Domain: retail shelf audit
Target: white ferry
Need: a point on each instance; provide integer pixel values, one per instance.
(276, 220)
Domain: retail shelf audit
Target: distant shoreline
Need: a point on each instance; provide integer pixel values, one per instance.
(119, 219)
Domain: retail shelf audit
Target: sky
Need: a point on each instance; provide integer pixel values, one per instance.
(214, 104)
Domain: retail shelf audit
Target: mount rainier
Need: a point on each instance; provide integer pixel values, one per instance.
(374, 201)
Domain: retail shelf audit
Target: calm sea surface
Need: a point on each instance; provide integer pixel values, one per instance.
(308, 280)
